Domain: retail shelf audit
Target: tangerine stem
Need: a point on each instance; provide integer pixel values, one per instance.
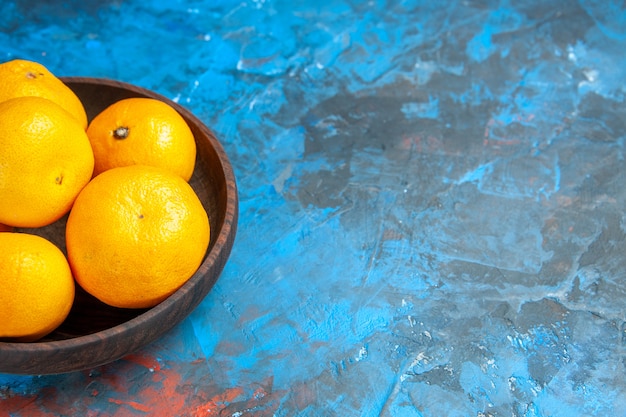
(121, 132)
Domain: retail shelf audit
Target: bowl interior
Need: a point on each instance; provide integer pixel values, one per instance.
(88, 314)
(93, 323)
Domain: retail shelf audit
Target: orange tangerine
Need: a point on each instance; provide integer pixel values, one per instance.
(37, 288)
(142, 131)
(135, 235)
(46, 160)
(28, 78)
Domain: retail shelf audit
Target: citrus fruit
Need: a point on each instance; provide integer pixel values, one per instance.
(37, 288)
(46, 159)
(28, 78)
(142, 131)
(136, 234)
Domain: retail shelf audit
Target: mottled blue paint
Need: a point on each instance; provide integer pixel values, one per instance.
(431, 201)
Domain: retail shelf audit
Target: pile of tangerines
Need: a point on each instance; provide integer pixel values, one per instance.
(135, 229)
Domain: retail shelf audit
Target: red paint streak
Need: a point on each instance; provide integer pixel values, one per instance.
(144, 360)
(139, 385)
(162, 394)
(214, 406)
(31, 406)
(154, 388)
(263, 401)
(135, 405)
(23, 404)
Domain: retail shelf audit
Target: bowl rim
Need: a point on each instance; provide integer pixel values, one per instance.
(215, 258)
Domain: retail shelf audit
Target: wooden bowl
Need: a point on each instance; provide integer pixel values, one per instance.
(95, 334)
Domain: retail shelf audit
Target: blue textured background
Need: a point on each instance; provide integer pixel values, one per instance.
(432, 205)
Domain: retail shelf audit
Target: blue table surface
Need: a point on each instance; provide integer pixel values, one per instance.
(431, 205)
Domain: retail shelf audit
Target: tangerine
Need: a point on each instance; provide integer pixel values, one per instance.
(135, 235)
(37, 288)
(46, 160)
(28, 78)
(142, 131)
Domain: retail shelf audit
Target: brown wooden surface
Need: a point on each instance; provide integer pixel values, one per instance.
(94, 333)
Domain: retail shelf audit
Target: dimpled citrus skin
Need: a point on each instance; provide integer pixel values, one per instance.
(135, 235)
(142, 131)
(27, 78)
(46, 159)
(37, 288)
